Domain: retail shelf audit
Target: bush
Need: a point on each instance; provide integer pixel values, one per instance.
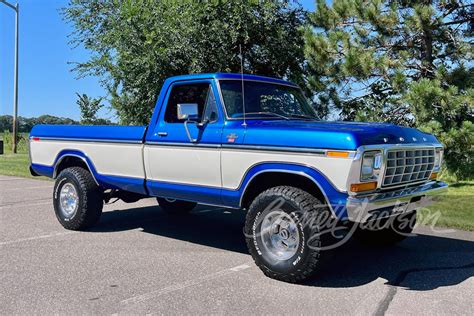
(22, 144)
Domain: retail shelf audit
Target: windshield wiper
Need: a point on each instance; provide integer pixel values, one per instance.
(268, 113)
(302, 116)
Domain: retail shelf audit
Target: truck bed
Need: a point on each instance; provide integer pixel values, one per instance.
(114, 154)
(112, 133)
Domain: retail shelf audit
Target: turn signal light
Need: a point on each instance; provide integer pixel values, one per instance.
(338, 154)
(361, 187)
(433, 175)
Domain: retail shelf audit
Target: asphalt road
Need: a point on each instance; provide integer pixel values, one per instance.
(140, 260)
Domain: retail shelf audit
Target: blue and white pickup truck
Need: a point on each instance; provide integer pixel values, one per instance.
(252, 143)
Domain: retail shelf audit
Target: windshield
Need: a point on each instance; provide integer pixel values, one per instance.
(265, 100)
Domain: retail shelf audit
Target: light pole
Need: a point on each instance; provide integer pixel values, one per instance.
(16, 8)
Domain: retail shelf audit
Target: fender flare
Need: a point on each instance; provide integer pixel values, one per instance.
(335, 198)
(77, 154)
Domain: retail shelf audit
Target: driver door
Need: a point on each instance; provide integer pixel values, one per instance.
(181, 165)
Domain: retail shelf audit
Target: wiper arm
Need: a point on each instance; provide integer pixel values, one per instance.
(268, 113)
(303, 117)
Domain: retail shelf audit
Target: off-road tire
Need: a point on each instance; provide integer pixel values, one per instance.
(176, 207)
(390, 231)
(90, 199)
(300, 205)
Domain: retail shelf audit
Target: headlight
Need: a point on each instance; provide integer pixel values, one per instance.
(371, 163)
(438, 158)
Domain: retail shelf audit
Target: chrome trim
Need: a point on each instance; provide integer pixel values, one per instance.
(227, 117)
(322, 152)
(279, 149)
(88, 140)
(175, 144)
(55, 172)
(354, 173)
(409, 167)
(359, 208)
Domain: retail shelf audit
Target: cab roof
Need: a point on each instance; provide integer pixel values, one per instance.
(232, 76)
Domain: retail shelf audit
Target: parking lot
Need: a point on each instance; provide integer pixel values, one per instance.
(140, 260)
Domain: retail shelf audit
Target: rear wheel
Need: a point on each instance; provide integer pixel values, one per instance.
(174, 206)
(387, 232)
(77, 199)
(283, 233)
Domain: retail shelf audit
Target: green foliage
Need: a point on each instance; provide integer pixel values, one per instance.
(89, 108)
(25, 124)
(370, 51)
(137, 44)
(22, 142)
(402, 61)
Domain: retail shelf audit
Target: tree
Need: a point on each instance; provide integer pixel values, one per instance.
(89, 108)
(401, 61)
(137, 44)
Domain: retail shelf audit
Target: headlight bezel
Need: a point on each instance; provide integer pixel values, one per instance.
(438, 159)
(371, 165)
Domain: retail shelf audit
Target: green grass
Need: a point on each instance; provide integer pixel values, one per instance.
(455, 209)
(15, 165)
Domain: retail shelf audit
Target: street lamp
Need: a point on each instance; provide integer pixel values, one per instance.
(16, 8)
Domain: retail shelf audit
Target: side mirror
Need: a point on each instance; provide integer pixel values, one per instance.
(188, 111)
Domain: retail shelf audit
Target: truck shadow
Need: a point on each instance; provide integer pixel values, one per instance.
(423, 262)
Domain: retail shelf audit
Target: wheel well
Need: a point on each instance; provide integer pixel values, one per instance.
(268, 180)
(70, 161)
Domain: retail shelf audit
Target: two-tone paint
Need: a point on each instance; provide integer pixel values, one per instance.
(159, 160)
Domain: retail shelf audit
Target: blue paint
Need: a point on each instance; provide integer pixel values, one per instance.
(80, 132)
(136, 185)
(329, 135)
(43, 170)
(188, 192)
(232, 198)
(334, 197)
(176, 132)
(271, 132)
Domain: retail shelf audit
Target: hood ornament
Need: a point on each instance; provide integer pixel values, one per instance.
(414, 139)
(402, 139)
(385, 139)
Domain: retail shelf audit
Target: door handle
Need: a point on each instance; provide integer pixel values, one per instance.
(162, 134)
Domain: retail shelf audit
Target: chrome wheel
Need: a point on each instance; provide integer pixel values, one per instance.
(279, 235)
(68, 200)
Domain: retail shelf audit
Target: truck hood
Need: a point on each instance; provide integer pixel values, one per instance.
(331, 135)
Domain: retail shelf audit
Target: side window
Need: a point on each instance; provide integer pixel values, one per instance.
(186, 93)
(210, 109)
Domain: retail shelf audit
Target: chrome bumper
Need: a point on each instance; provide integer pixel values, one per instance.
(385, 204)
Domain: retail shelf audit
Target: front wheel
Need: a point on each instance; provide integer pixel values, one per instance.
(174, 206)
(283, 234)
(77, 199)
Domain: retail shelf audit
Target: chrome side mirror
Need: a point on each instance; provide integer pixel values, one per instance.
(188, 111)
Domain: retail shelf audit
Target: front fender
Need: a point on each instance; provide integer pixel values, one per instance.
(335, 199)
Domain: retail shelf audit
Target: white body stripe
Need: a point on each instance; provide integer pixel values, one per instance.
(235, 164)
(108, 158)
(186, 165)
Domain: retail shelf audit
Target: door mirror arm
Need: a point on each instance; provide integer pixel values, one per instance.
(199, 125)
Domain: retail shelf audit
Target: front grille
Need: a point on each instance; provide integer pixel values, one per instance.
(408, 165)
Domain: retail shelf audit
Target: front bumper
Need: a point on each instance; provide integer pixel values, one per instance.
(362, 209)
